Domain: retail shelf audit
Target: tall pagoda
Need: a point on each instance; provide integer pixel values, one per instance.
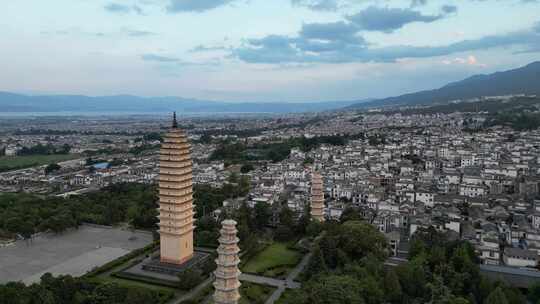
(175, 197)
(317, 197)
(227, 273)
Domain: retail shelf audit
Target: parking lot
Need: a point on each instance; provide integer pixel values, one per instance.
(75, 252)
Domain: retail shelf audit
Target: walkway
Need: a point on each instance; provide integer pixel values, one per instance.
(281, 285)
(266, 280)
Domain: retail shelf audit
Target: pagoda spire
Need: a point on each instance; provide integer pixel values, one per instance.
(174, 122)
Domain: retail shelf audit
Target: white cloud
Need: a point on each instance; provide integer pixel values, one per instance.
(470, 60)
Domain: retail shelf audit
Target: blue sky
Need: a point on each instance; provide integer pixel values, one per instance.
(260, 50)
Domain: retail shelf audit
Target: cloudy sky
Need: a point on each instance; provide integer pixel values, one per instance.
(260, 50)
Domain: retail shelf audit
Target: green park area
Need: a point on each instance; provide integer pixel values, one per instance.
(254, 293)
(8, 163)
(251, 293)
(276, 260)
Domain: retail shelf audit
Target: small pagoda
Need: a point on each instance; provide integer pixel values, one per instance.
(227, 274)
(317, 197)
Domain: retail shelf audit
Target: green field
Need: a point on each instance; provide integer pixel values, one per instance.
(275, 260)
(8, 163)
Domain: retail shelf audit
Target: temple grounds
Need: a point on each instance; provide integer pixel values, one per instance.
(276, 261)
(74, 252)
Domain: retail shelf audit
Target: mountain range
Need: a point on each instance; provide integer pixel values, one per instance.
(524, 80)
(10, 102)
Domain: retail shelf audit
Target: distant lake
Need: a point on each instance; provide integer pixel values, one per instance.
(121, 113)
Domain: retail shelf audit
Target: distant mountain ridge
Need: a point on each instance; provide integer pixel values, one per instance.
(524, 80)
(10, 102)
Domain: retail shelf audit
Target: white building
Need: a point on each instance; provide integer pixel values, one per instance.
(517, 257)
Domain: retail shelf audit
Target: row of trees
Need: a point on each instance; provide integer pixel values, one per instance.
(517, 120)
(26, 214)
(238, 152)
(69, 290)
(48, 149)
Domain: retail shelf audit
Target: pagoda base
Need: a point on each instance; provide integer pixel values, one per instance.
(156, 265)
(152, 269)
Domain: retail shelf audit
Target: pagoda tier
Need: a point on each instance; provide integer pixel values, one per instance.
(317, 197)
(176, 198)
(227, 273)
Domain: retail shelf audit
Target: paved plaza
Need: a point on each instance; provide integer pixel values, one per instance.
(75, 252)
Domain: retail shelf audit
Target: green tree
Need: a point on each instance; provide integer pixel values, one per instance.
(392, 287)
(244, 186)
(262, 214)
(205, 139)
(308, 161)
(52, 168)
(286, 216)
(335, 289)
(108, 293)
(314, 227)
(316, 264)
(534, 293)
(358, 239)
(497, 296)
(329, 248)
(246, 168)
(303, 221)
(283, 233)
(514, 295)
(139, 296)
(190, 278)
(412, 278)
(65, 149)
(350, 214)
(370, 290)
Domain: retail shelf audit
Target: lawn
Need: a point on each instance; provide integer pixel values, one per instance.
(8, 163)
(275, 260)
(254, 293)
